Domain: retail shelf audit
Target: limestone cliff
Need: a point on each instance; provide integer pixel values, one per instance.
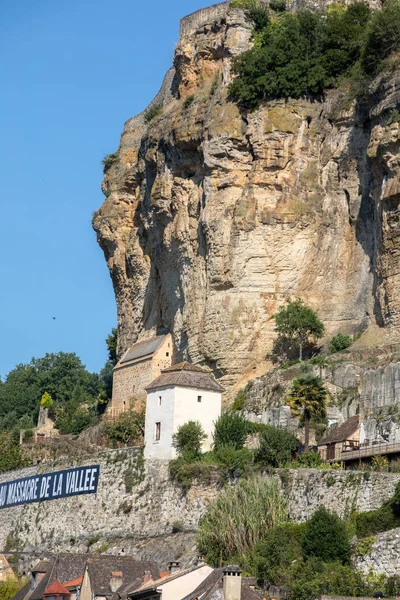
(212, 215)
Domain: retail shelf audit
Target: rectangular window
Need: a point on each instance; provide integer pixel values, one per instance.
(159, 400)
(157, 433)
(198, 398)
(167, 354)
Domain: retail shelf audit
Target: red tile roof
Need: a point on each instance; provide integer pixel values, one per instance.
(55, 589)
(74, 582)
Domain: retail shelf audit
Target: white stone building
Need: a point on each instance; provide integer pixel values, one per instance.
(180, 394)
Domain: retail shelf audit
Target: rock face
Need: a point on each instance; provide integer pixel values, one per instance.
(213, 216)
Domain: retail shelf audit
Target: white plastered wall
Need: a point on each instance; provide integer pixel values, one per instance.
(178, 406)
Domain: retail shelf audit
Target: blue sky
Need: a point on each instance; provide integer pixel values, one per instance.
(72, 72)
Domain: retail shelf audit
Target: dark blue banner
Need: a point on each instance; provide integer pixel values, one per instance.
(61, 484)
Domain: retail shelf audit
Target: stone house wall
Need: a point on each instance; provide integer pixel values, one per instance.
(130, 379)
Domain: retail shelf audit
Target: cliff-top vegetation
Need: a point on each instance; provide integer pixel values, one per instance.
(305, 53)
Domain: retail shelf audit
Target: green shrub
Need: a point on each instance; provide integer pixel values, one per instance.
(178, 526)
(364, 546)
(278, 5)
(375, 521)
(300, 54)
(239, 519)
(339, 342)
(10, 587)
(309, 460)
(126, 429)
(230, 430)
(326, 537)
(184, 472)
(188, 101)
(239, 401)
(235, 462)
(394, 117)
(279, 548)
(379, 463)
(109, 160)
(188, 439)
(277, 446)
(11, 456)
(383, 36)
(28, 435)
(255, 12)
(152, 112)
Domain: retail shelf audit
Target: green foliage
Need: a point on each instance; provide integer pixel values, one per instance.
(188, 101)
(152, 112)
(278, 5)
(364, 546)
(112, 343)
(326, 537)
(394, 117)
(46, 401)
(62, 376)
(277, 446)
(188, 439)
(10, 453)
(279, 548)
(384, 518)
(383, 36)
(109, 160)
(255, 12)
(239, 518)
(185, 472)
(307, 399)
(235, 463)
(298, 322)
(339, 342)
(10, 587)
(178, 526)
(309, 460)
(239, 401)
(126, 430)
(300, 54)
(75, 420)
(379, 463)
(230, 430)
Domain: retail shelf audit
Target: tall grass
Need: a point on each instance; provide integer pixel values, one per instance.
(239, 518)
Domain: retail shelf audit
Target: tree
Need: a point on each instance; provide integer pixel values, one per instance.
(326, 537)
(112, 342)
(10, 453)
(188, 439)
(46, 401)
(276, 447)
(10, 587)
(231, 429)
(307, 398)
(297, 321)
(383, 36)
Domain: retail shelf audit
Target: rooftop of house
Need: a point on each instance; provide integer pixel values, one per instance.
(102, 568)
(342, 432)
(143, 349)
(185, 374)
(212, 588)
(153, 585)
(56, 588)
(63, 567)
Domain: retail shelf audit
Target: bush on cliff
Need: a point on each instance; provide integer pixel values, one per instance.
(300, 54)
(383, 36)
(126, 430)
(339, 342)
(383, 519)
(11, 456)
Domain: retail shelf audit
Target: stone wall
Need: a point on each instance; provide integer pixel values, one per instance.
(137, 507)
(384, 556)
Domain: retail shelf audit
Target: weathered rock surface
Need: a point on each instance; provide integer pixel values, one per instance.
(214, 216)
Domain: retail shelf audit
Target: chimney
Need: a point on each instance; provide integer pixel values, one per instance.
(116, 580)
(147, 577)
(173, 566)
(232, 582)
